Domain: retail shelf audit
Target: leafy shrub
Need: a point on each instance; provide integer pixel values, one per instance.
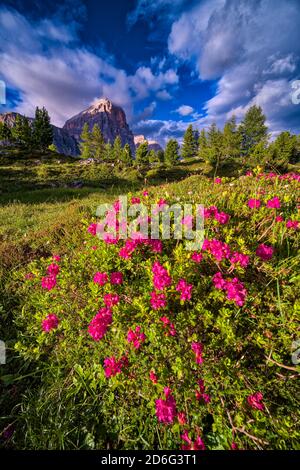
(147, 345)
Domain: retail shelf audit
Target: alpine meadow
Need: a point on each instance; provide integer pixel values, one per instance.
(150, 227)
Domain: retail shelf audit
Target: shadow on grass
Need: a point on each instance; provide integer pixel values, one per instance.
(36, 196)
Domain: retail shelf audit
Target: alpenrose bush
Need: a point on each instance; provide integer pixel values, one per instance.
(176, 349)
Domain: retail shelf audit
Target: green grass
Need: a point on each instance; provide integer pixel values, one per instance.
(40, 215)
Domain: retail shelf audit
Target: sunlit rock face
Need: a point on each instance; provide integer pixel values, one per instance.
(110, 118)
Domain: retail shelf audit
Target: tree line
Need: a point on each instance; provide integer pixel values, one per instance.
(249, 141)
(34, 134)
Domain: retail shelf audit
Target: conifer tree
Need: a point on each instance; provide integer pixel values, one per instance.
(5, 132)
(96, 143)
(252, 129)
(171, 152)
(108, 152)
(231, 139)
(126, 155)
(190, 144)
(85, 144)
(22, 132)
(202, 145)
(153, 157)
(42, 129)
(141, 156)
(117, 149)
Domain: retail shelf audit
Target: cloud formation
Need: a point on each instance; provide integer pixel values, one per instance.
(252, 49)
(184, 110)
(48, 65)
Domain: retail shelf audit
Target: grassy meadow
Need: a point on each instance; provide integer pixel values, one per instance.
(208, 368)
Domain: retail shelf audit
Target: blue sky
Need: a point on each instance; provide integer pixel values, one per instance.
(168, 63)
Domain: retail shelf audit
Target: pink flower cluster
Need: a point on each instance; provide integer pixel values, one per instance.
(200, 394)
(116, 278)
(197, 348)
(220, 250)
(53, 269)
(294, 224)
(169, 327)
(136, 337)
(50, 281)
(111, 299)
(92, 229)
(161, 278)
(254, 203)
(50, 322)
(99, 324)
(239, 258)
(265, 252)
(166, 409)
(158, 300)
(100, 278)
(198, 444)
(130, 245)
(274, 203)
(185, 289)
(255, 401)
(234, 288)
(212, 212)
(113, 367)
(197, 257)
(153, 377)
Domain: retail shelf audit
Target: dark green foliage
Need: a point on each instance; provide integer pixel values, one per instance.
(190, 143)
(126, 155)
(42, 132)
(171, 152)
(117, 149)
(85, 144)
(252, 129)
(141, 156)
(231, 139)
(5, 132)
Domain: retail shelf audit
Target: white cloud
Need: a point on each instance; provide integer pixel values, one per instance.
(40, 64)
(163, 95)
(253, 50)
(184, 110)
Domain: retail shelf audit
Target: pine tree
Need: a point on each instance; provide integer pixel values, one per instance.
(160, 156)
(96, 143)
(108, 152)
(5, 132)
(190, 144)
(141, 156)
(231, 139)
(153, 157)
(42, 129)
(117, 149)
(202, 145)
(283, 150)
(253, 129)
(126, 155)
(171, 152)
(22, 132)
(85, 144)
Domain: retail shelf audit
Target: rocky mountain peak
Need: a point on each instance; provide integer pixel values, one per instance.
(110, 118)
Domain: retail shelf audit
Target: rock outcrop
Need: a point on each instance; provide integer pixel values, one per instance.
(152, 144)
(110, 118)
(64, 142)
